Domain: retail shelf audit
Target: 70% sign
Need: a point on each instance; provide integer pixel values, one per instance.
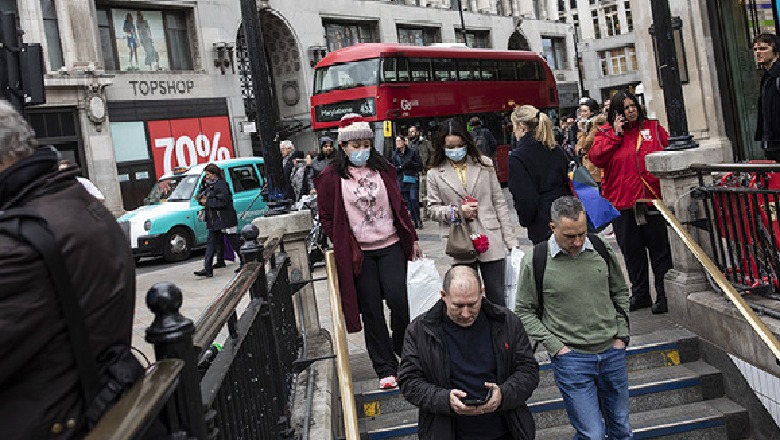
(188, 151)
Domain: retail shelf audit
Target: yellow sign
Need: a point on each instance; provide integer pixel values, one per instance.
(371, 409)
(671, 358)
(388, 129)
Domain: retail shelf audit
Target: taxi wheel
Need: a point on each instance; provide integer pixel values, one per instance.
(177, 245)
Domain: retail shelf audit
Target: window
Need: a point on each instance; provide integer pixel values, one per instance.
(618, 61)
(529, 71)
(488, 69)
(468, 70)
(52, 30)
(612, 21)
(596, 27)
(149, 40)
(129, 140)
(444, 70)
(476, 39)
(554, 49)
(507, 71)
(8, 6)
(347, 75)
(342, 34)
(418, 36)
(420, 69)
(629, 18)
(244, 178)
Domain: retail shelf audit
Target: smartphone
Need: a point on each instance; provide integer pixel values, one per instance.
(470, 401)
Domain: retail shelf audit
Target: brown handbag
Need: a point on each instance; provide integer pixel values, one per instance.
(459, 244)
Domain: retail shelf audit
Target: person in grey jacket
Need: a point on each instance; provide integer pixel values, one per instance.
(468, 366)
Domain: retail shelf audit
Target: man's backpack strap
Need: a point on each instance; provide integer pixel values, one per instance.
(601, 248)
(28, 226)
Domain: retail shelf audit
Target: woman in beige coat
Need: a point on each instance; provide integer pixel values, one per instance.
(458, 174)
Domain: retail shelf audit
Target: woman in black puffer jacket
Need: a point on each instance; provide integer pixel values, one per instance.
(221, 218)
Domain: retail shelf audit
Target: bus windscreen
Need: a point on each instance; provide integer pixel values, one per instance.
(347, 75)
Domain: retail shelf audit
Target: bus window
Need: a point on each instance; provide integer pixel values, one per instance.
(468, 70)
(507, 71)
(527, 71)
(420, 69)
(444, 70)
(347, 75)
(488, 68)
(402, 67)
(388, 70)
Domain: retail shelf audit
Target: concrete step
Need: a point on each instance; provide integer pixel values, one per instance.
(648, 389)
(719, 419)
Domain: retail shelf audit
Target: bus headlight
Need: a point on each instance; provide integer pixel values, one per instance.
(148, 225)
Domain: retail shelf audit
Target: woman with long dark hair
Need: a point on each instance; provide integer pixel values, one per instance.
(221, 218)
(463, 187)
(620, 148)
(538, 171)
(363, 214)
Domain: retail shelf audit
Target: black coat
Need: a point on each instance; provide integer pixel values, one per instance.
(768, 126)
(38, 376)
(407, 164)
(537, 176)
(424, 376)
(220, 213)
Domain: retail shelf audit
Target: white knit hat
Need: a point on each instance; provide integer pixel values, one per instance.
(353, 127)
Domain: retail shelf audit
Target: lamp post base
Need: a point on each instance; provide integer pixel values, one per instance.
(677, 143)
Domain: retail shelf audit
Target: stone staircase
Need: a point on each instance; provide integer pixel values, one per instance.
(673, 395)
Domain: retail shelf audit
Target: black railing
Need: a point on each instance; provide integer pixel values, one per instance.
(741, 209)
(241, 391)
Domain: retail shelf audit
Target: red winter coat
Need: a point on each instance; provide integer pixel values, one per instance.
(335, 222)
(623, 164)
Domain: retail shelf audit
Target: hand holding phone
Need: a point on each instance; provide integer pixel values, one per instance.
(472, 401)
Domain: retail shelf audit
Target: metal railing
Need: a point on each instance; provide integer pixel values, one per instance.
(244, 391)
(741, 218)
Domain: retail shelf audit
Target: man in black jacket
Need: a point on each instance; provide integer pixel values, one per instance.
(766, 48)
(468, 366)
(221, 217)
(40, 396)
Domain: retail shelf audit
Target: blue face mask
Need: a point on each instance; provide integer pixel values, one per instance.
(455, 154)
(360, 157)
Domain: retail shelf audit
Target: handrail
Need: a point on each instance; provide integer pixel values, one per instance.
(131, 415)
(744, 309)
(742, 167)
(342, 351)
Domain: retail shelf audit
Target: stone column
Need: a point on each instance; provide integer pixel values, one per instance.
(672, 167)
(296, 226)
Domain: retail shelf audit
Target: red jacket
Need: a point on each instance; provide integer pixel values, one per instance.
(623, 164)
(349, 257)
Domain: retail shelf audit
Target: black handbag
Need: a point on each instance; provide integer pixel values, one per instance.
(103, 379)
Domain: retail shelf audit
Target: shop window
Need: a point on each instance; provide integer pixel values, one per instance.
(129, 141)
(554, 49)
(339, 34)
(474, 39)
(51, 29)
(424, 36)
(147, 40)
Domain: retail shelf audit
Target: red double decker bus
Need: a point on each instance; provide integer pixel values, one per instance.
(411, 85)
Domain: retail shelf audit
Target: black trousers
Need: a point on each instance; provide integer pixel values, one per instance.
(636, 242)
(383, 277)
(215, 245)
(493, 276)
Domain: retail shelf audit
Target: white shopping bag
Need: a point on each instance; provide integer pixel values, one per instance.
(423, 286)
(512, 274)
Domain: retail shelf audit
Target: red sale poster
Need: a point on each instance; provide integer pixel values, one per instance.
(190, 141)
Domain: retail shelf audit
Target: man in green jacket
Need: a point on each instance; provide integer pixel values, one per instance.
(582, 323)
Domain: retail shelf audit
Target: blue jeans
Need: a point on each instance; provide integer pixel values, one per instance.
(595, 386)
(409, 193)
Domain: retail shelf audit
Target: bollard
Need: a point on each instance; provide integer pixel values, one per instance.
(171, 334)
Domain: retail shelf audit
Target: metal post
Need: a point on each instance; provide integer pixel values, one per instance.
(10, 49)
(679, 138)
(261, 85)
(462, 22)
(577, 61)
(252, 251)
(171, 334)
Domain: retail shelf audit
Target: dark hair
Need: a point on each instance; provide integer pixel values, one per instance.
(568, 207)
(616, 107)
(592, 105)
(453, 127)
(770, 39)
(341, 161)
(213, 169)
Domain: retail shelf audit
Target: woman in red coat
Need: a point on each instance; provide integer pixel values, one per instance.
(363, 214)
(620, 148)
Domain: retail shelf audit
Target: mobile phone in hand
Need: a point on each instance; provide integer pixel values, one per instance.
(470, 401)
(468, 199)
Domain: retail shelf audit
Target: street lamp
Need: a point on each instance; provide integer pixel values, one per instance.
(669, 76)
(462, 22)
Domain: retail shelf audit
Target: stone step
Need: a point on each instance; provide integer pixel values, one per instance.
(718, 419)
(648, 389)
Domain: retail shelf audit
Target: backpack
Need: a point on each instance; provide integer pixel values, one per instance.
(539, 263)
(103, 378)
